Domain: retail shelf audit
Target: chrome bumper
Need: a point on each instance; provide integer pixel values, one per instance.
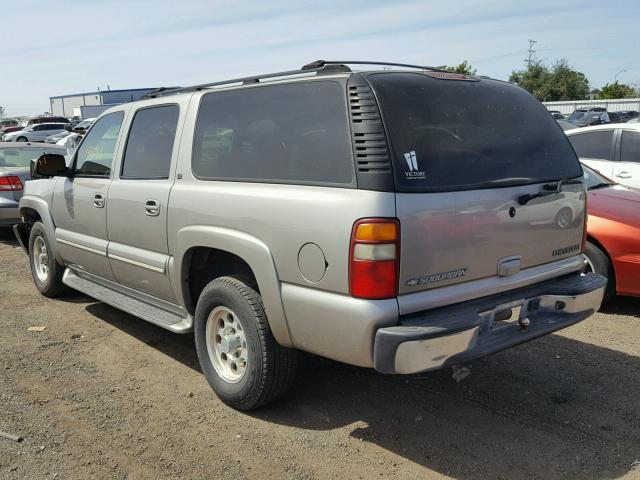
(451, 335)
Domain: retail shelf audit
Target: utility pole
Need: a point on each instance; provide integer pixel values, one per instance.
(531, 52)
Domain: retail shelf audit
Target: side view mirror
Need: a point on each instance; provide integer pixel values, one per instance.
(68, 127)
(51, 165)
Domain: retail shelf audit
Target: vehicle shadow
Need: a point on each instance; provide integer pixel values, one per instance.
(7, 237)
(179, 347)
(552, 408)
(623, 306)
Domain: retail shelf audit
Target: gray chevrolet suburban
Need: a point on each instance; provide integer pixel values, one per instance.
(404, 219)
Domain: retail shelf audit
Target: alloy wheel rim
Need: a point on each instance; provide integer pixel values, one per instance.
(40, 259)
(227, 344)
(588, 267)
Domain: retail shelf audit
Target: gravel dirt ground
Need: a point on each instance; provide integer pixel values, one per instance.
(100, 394)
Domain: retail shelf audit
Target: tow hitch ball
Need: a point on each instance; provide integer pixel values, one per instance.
(524, 324)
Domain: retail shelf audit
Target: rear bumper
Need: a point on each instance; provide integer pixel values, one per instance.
(9, 212)
(455, 334)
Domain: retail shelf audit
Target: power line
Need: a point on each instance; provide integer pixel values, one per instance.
(531, 53)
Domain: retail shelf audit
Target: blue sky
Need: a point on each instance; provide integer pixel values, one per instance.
(60, 47)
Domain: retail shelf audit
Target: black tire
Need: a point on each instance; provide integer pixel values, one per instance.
(22, 139)
(599, 262)
(270, 368)
(52, 285)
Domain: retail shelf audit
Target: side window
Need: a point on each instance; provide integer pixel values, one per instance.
(150, 143)
(95, 155)
(294, 133)
(595, 145)
(630, 147)
(37, 128)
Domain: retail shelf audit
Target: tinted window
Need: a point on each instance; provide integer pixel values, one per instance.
(150, 143)
(52, 126)
(95, 154)
(593, 144)
(296, 133)
(457, 134)
(630, 147)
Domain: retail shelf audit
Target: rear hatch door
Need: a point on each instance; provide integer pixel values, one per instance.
(467, 155)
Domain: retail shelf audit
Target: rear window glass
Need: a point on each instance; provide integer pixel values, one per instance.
(593, 144)
(21, 157)
(461, 135)
(630, 147)
(293, 133)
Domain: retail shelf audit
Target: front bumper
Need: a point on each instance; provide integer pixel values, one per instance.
(455, 334)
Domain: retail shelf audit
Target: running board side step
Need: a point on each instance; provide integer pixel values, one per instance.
(153, 314)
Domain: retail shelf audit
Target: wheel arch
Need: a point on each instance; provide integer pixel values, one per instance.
(600, 245)
(33, 209)
(251, 252)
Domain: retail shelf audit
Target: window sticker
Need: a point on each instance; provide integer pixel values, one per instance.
(412, 162)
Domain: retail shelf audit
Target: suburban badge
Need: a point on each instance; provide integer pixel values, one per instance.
(436, 277)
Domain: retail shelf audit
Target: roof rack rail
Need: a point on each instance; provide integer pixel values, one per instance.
(330, 68)
(324, 63)
(319, 66)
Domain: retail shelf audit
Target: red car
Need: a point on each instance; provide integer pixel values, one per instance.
(613, 234)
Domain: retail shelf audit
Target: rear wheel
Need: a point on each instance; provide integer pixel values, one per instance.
(22, 139)
(46, 271)
(598, 262)
(238, 354)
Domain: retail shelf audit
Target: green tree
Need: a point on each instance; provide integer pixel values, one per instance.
(560, 82)
(616, 90)
(465, 68)
(534, 79)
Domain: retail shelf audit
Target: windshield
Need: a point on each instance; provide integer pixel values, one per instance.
(594, 179)
(577, 115)
(462, 135)
(21, 157)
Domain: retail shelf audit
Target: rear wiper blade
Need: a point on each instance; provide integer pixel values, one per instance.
(551, 189)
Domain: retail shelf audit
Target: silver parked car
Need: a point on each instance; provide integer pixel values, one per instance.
(35, 133)
(344, 213)
(15, 161)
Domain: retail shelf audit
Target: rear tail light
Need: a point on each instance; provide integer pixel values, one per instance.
(374, 258)
(10, 183)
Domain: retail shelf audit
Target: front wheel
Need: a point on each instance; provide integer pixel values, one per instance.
(239, 356)
(22, 139)
(46, 271)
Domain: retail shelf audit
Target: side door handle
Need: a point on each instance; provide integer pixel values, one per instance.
(623, 174)
(98, 200)
(152, 207)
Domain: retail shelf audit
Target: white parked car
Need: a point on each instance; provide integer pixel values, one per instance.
(613, 150)
(35, 133)
(70, 141)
